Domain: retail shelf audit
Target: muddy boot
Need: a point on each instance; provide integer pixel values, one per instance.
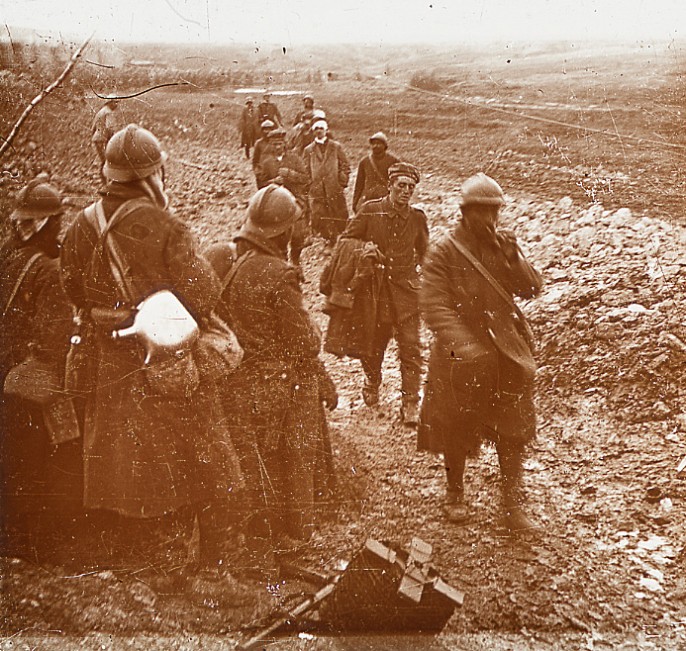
(212, 584)
(410, 412)
(455, 507)
(370, 394)
(514, 496)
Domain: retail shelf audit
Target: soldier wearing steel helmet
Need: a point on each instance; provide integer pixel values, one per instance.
(261, 146)
(40, 475)
(307, 110)
(481, 371)
(106, 123)
(267, 110)
(151, 460)
(371, 181)
(279, 391)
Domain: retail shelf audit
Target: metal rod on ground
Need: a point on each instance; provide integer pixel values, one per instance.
(291, 617)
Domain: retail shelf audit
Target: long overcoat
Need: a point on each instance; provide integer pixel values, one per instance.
(329, 172)
(248, 127)
(145, 455)
(371, 181)
(40, 481)
(481, 369)
(276, 393)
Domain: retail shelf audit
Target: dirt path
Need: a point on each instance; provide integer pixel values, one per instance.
(606, 568)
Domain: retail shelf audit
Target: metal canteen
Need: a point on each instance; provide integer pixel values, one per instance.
(163, 325)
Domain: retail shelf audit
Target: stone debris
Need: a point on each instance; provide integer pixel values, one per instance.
(611, 312)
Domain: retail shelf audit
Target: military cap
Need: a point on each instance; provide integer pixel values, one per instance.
(403, 169)
(277, 134)
(307, 96)
(249, 100)
(380, 136)
(320, 124)
(267, 124)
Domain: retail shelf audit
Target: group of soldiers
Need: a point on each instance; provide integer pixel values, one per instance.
(241, 449)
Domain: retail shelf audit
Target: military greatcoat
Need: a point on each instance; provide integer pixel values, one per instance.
(145, 455)
(481, 369)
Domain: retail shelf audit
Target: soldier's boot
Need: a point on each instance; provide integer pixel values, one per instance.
(514, 495)
(370, 393)
(212, 584)
(410, 411)
(455, 508)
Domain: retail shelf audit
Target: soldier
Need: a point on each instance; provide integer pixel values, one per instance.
(372, 173)
(308, 109)
(267, 110)
(286, 168)
(401, 235)
(481, 372)
(278, 391)
(106, 123)
(329, 172)
(40, 478)
(261, 145)
(154, 456)
(248, 126)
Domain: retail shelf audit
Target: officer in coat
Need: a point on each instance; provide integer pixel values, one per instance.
(481, 371)
(401, 235)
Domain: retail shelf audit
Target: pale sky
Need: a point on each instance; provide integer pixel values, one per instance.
(290, 22)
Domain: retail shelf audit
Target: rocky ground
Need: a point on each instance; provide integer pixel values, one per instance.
(605, 570)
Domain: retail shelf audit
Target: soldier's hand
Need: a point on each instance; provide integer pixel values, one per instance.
(507, 239)
(328, 391)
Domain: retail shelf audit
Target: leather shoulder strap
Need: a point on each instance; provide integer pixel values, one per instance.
(504, 295)
(17, 286)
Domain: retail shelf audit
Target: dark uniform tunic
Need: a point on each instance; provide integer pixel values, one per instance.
(371, 181)
(269, 111)
(402, 237)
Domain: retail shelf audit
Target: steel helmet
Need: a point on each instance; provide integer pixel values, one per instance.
(36, 203)
(271, 212)
(132, 153)
(482, 189)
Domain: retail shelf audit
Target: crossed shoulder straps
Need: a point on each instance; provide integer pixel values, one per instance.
(108, 246)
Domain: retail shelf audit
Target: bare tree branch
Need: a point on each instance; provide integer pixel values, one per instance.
(38, 98)
(142, 92)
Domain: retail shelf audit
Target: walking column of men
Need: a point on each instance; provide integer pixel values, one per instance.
(151, 387)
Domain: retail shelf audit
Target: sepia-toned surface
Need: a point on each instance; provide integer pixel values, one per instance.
(598, 207)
